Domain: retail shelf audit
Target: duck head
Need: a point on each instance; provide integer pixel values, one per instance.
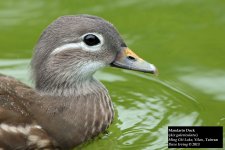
(73, 48)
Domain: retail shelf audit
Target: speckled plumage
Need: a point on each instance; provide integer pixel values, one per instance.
(78, 118)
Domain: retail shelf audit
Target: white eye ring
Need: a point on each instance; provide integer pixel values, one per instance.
(91, 40)
(96, 47)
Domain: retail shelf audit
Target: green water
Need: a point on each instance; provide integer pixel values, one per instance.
(185, 39)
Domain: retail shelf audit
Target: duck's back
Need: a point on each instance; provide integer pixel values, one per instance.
(18, 130)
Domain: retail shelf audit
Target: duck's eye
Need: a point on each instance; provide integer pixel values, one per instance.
(91, 40)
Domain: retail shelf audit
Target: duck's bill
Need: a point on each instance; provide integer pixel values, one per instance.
(127, 59)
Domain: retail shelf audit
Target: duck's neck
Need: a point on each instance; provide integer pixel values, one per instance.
(68, 89)
(78, 113)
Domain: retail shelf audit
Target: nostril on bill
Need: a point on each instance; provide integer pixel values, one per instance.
(131, 58)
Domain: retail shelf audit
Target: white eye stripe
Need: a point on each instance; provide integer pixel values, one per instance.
(68, 46)
(80, 45)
